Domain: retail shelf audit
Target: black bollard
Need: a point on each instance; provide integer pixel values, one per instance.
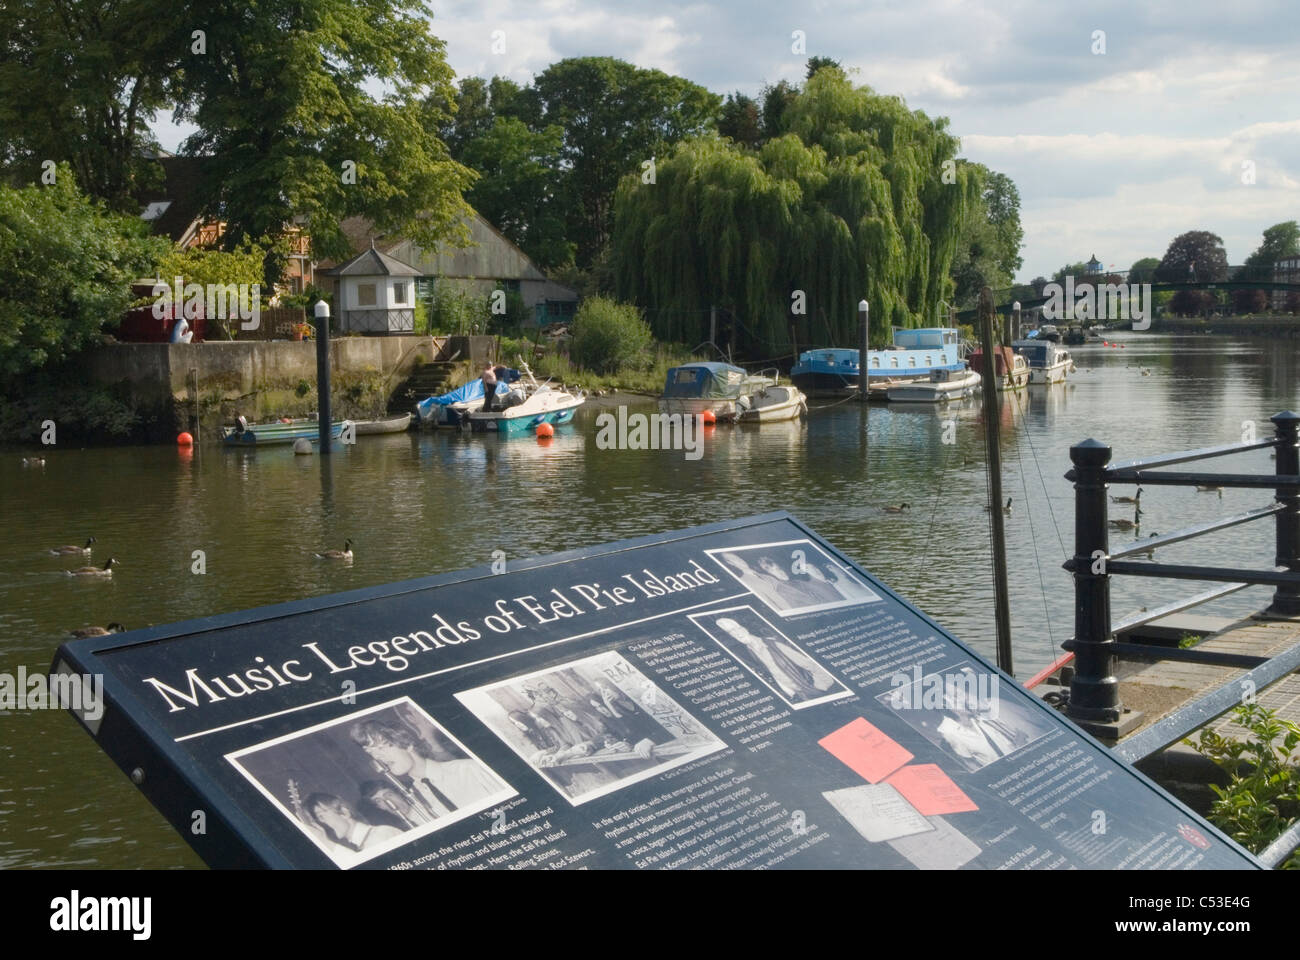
(323, 373)
(1286, 598)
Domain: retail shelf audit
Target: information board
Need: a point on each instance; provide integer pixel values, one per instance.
(732, 696)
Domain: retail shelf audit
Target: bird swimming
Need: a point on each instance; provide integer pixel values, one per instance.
(105, 571)
(1133, 499)
(895, 509)
(97, 631)
(344, 554)
(72, 548)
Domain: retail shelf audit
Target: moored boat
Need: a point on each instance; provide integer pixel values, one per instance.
(1049, 362)
(1011, 369)
(450, 409)
(706, 387)
(943, 385)
(269, 434)
(914, 355)
(773, 404)
(389, 425)
(527, 406)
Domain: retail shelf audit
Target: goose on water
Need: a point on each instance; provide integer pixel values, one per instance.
(97, 631)
(344, 554)
(1006, 508)
(1122, 524)
(895, 508)
(72, 548)
(105, 571)
(1136, 498)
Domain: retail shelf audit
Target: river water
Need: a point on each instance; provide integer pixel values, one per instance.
(419, 504)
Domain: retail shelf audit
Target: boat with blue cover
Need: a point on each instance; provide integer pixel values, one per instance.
(833, 371)
(451, 408)
(718, 388)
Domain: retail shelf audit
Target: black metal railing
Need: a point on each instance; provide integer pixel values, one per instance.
(1094, 700)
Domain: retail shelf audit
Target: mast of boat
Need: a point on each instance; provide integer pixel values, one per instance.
(1002, 604)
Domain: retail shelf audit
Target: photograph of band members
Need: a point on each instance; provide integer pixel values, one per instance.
(970, 721)
(793, 577)
(372, 781)
(591, 726)
(771, 656)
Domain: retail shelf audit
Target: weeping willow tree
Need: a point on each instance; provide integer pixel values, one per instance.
(857, 197)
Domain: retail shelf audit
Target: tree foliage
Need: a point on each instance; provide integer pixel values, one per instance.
(615, 117)
(1282, 240)
(66, 268)
(740, 120)
(608, 336)
(849, 203)
(290, 128)
(1143, 271)
(1198, 248)
(79, 83)
(988, 250)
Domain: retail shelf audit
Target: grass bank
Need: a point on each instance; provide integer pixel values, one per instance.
(550, 360)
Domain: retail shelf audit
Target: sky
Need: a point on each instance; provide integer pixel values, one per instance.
(1122, 123)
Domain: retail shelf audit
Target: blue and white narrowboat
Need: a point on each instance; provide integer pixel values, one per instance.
(914, 356)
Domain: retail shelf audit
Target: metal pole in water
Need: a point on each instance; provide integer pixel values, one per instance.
(1002, 606)
(323, 373)
(864, 312)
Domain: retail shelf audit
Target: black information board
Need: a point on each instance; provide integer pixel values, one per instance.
(737, 695)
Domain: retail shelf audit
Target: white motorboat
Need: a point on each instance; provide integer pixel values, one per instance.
(1012, 369)
(1049, 362)
(527, 406)
(774, 403)
(943, 385)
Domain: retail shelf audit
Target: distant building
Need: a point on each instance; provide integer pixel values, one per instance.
(1286, 270)
(491, 263)
(374, 294)
(1094, 265)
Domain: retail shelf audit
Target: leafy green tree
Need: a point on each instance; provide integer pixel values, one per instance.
(79, 83)
(616, 117)
(849, 203)
(988, 250)
(775, 98)
(1282, 240)
(741, 121)
(521, 189)
(289, 126)
(1143, 271)
(66, 268)
(820, 63)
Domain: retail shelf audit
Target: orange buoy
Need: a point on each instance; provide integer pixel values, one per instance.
(184, 440)
(708, 417)
(545, 430)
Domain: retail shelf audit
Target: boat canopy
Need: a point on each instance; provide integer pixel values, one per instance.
(469, 391)
(704, 380)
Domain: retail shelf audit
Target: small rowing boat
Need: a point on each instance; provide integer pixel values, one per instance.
(268, 434)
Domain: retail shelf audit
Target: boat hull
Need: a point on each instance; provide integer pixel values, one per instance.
(515, 426)
(721, 409)
(774, 404)
(270, 434)
(391, 425)
(931, 392)
(1044, 376)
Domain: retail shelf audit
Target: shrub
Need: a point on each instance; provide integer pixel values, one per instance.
(608, 336)
(454, 311)
(1263, 794)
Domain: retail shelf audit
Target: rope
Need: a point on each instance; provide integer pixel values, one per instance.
(1033, 540)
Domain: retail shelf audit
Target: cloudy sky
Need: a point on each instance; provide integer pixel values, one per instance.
(1114, 153)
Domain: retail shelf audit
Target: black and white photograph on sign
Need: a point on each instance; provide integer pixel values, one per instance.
(962, 712)
(771, 656)
(793, 577)
(372, 781)
(591, 726)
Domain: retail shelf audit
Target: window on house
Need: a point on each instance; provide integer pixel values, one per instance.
(399, 293)
(365, 294)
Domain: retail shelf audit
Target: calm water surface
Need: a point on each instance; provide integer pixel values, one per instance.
(420, 504)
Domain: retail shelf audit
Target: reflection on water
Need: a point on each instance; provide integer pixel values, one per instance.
(421, 504)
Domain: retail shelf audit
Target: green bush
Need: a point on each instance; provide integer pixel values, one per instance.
(453, 311)
(1262, 798)
(608, 336)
